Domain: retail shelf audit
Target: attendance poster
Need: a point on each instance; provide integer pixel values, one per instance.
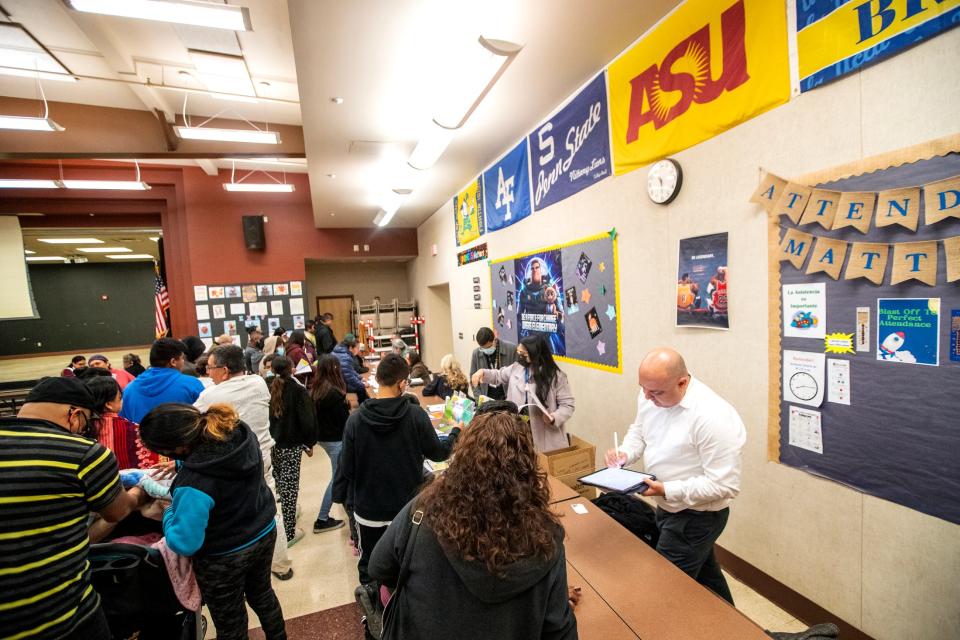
(908, 330)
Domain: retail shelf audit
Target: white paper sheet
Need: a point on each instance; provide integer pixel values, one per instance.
(203, 312)
(200, 293)
(238, 309)
(258, 309)
(805, 429)
(838, 381)
(219, 311)
(276, 307)
(296, 306)
(805, 310)
(803, 377)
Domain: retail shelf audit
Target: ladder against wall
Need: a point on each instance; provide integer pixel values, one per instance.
(378, 322)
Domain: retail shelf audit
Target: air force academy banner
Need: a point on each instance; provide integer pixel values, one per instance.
(705, 68)
(506, 189)
(571, 150)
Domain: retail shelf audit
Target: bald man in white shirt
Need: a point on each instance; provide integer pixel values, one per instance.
(690, 439)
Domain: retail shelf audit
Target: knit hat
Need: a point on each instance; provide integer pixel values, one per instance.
(98, 356)
(62, 390)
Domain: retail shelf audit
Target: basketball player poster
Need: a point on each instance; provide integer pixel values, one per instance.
(702, 280)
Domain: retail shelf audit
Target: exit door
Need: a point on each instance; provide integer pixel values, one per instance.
(342, 309)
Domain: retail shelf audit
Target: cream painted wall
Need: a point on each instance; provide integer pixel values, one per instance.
(363, 280)
(887, 569)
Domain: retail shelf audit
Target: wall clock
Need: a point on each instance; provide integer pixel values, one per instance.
(664, 181)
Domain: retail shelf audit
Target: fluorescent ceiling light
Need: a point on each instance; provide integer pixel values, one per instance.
(28, 124)
(45, 259)
(431, 146)
(479, 71)
(104, 249)
(274, 187)
(29, 184)
(155, 238)
(132, 256)
(24, 56)
(228, 135)
(199, 14)
(28, 252)
(71, 240)
(396, 200)
(113, 185)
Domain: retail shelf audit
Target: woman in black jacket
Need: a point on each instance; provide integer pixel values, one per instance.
(294, 428)
(332, 408)
(488, 546)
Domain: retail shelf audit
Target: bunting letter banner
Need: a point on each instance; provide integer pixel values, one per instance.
(899, 206)
(941, 200)
(769, 191)
(795, 246)
(827, 256)
(821, 208)
(867, 260)
(855, 210)
(951, 248)
(792, 202)
(915, 261)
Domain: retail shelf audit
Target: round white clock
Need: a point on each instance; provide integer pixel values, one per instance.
(804, 386)
(664, 181)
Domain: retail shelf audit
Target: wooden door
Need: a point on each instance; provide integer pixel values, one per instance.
(342, 308)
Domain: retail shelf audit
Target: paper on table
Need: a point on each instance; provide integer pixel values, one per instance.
(803, 377)
(258, 308)
(805, 429)
(579, 508)
(435, 408)
(838, 381)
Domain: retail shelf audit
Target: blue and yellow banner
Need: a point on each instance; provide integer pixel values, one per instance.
(836, 37)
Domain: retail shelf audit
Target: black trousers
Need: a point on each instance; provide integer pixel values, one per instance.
(367, 539)
(686, 540)
(225, 580)
(95, 626)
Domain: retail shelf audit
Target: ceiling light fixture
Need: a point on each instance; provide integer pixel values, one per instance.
(43, 123)
(431, 146)
(104, 249)
(266, 187)
(24, 56)
(10, 183)
(155, 238)
(70, 240)
(394, 202)
(110, 185)
(46, 259)
(132, 256)
(198, 14)
(228, 135)
(28, 252)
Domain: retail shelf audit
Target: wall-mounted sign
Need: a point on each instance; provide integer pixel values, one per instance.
(474, 254)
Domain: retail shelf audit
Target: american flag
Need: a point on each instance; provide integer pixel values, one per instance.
(162, 305)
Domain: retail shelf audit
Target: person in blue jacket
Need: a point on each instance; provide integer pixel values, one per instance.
(161, 383)
(346, 353)
(222, 513)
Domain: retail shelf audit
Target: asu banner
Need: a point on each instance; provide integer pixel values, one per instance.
(468, 213)
(705, 68)
(835, 37)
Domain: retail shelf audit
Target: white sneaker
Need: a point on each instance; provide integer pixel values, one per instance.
(297, 537)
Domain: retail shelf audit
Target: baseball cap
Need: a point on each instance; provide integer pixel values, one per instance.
(62, 390)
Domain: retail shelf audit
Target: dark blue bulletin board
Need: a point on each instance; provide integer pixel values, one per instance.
(899, 438)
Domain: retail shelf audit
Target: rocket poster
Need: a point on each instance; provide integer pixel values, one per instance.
(908, 330)
(539, 285)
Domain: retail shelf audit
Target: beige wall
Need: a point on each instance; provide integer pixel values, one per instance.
(885, 568)
(363, 280)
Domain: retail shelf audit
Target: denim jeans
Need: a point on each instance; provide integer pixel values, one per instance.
(333, 452)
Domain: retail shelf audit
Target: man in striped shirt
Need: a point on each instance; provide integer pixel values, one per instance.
(52, 475)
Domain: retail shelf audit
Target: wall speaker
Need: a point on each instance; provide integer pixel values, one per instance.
(253, 232)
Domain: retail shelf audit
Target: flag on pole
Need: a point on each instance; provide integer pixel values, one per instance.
(162, 305)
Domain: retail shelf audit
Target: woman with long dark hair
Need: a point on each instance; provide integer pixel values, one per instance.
(538, 386)
(293, 426)
(222, 514)
(487, 546)
(77, 363)
(296, 351)
(332, 408)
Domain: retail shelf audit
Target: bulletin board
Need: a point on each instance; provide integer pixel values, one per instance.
(899, 436)
(231, 308)
(569, 293)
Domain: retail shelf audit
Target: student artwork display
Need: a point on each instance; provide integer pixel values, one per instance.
(232, 292)
(276, 307)
(216, 293)
(567, 293)
(570, 151)
(702, 278)
(259, 300)
(238, 309)
(249, 292)
(219, 311)
(296, 288)
(837, 38)
(281, 289)
(468, 213)
(200, 293)
(506, 189)
(705, 68)
(204, 330)
(203, 312)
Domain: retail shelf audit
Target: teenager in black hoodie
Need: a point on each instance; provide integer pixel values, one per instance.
(381, 463)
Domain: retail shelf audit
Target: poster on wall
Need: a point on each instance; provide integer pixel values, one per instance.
(570, 151)
(837, 38)
(506, 189)
(908, 330)
(805, 310)
(468, 213)
(566, 293)
(702, 278)
(706, 67)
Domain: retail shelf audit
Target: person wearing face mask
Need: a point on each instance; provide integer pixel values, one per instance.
(492, 353)
(253, 352)
(536, 385)
(53, 474)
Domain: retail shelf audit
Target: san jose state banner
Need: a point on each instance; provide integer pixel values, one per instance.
(708, 66)
(468, 213)
(506, 189)
(570, 151)
(835, 37)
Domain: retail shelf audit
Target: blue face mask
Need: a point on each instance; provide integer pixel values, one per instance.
(488, 350)
(281, 351)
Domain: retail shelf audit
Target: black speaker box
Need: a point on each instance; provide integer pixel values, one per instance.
(253, 232)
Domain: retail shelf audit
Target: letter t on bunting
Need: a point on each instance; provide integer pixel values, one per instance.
(867, 260)
(951, 247)
(821, 208)
(942, 200)
(795, 246)
(828, 255)
(855, 210)
(915, 261)
(769, 191)
(792, 202)
(899, 206)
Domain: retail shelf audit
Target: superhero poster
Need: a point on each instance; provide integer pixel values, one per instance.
(702, 280)
(539, 287)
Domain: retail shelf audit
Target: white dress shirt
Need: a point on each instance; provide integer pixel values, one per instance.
(693, 448)
(250, 397)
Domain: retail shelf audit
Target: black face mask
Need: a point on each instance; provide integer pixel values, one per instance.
(523, 360)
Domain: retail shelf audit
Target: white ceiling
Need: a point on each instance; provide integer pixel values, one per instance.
(390, 60)
(136, 240)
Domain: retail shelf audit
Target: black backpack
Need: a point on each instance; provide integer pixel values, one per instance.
(633, 513)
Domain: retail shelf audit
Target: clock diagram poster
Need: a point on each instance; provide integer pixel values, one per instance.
(908, 330)
(803, 376)
(805, 310)
(702, 279)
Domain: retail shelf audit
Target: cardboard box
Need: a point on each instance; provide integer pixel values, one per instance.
(579, 457)
(586, 491)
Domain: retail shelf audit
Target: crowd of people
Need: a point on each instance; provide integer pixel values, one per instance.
(231, 425)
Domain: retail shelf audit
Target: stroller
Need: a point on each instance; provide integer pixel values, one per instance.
(137, 596)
